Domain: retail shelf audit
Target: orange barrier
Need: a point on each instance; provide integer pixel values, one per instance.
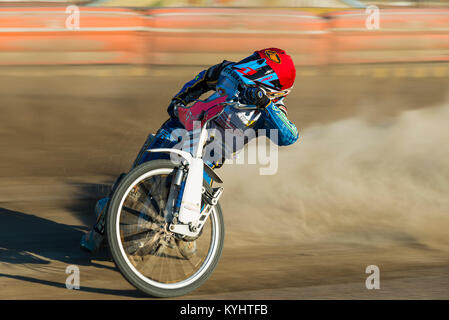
(41, 36)
(404, 35)
(186, 36)
(204, 36)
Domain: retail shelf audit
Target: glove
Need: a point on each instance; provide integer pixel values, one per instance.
(254, 96)
(173, 108)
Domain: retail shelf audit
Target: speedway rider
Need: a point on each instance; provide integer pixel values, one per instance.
(263, 79)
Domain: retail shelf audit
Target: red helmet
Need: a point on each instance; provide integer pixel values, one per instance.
(282, 64)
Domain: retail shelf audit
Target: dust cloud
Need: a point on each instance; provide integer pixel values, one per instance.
(351, 181)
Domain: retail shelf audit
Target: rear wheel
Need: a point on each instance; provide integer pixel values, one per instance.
(148, 255)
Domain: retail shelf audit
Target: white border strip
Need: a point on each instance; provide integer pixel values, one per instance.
(238, 14)
(62, 12)
(383, 13)
(165, 30)
(222, 31)
(150, 15)
(380, 30)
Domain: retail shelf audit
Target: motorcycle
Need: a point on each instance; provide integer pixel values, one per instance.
(164, 225)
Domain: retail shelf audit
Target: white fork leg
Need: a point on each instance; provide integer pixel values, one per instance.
(190, 210)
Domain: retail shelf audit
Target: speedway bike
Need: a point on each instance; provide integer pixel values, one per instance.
(164, 224)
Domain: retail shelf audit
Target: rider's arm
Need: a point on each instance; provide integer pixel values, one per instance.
(206, 80)
(274, 117)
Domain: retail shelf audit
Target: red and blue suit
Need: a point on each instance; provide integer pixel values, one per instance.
(251, 80)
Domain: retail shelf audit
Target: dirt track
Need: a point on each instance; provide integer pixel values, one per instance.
(367, 185)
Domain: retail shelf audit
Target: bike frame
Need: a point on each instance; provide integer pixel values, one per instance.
(190, 216)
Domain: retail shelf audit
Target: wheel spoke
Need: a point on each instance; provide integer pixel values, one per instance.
(136, 213)
(149, 195)
(134, 229)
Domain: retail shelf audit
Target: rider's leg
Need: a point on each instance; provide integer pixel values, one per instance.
(163, 139)
(93, 240)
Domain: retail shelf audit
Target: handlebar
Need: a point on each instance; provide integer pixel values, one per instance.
(241, 106)
(234, 102)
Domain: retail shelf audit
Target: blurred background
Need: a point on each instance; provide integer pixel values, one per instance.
(366, 184)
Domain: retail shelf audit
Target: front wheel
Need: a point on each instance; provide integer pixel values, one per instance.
(148, 255)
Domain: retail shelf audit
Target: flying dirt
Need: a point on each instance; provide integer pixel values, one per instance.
(353, 181)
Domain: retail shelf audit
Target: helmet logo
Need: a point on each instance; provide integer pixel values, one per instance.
(273, 56)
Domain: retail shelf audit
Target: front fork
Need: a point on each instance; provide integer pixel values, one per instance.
(187, 222)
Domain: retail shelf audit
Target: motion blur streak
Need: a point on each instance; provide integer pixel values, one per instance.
(353, 181)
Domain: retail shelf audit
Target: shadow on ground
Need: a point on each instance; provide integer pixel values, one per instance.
(123, 293)
(33, 241)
